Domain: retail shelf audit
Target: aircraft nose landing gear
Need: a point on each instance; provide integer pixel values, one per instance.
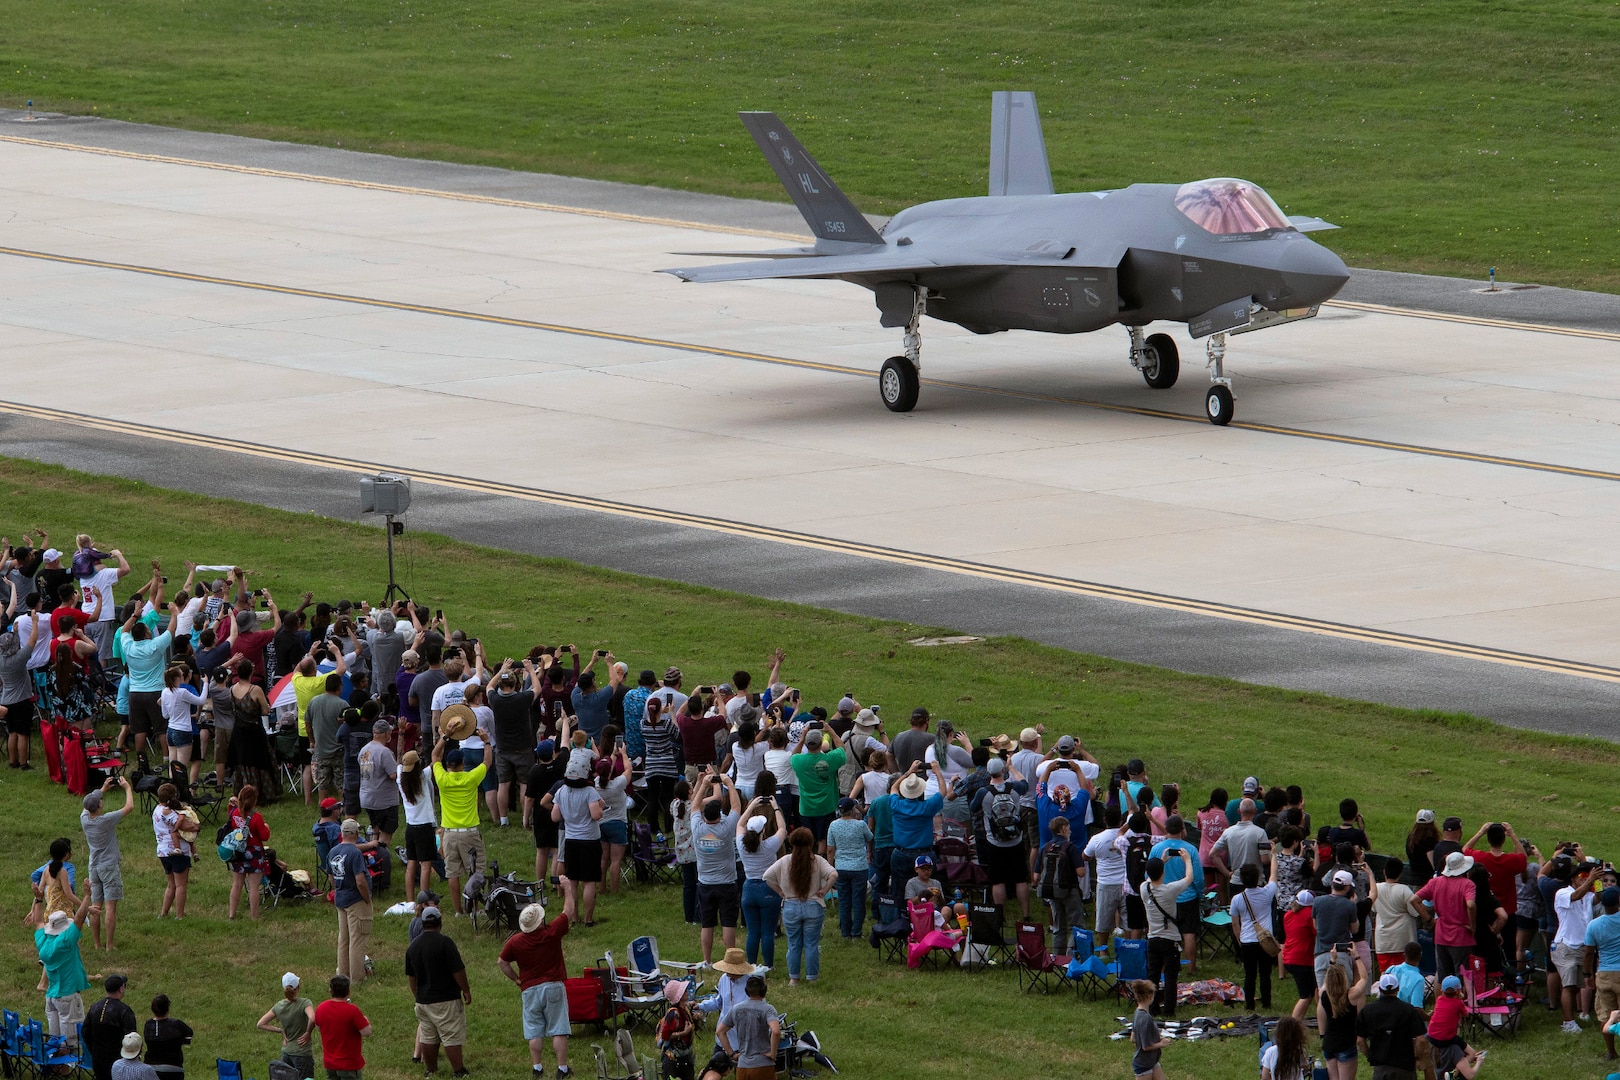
(1218, 398)
(898, 382)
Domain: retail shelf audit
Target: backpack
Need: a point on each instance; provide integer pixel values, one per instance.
(1136, 858)
(1002, 818)
(233, 846)
(1057, 872)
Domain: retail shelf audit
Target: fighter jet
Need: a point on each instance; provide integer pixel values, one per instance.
(1217, 255)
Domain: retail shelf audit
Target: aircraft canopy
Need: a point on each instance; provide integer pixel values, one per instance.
(1228, 207)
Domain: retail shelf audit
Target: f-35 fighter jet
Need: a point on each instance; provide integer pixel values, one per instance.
(1218, 255)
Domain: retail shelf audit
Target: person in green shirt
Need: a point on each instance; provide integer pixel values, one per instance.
(458, 801)
(293, 1018)
(58, 945)
(817, 767)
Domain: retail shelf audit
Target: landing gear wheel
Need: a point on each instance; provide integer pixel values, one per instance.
(897, 382)
(1218, 405)
(1161, 362)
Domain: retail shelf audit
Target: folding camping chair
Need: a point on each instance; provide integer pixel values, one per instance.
(650, 864)
(890, 930)
(1090, 971)
(924, 942)
(1037, 966)
(51, 742)
(291, 756)
(1493, 1009)
(1215, 929)
(956, 866)
(646, 964)
(639, 1003)
(987, 942)
(228, 1070)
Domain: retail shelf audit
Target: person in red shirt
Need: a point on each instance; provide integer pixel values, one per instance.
(1298, 954)
(342, 1026)
(1452, 895)
(533, 958)
(697, 733)
(1452, 1054)
(1504, 864)
(250, 643)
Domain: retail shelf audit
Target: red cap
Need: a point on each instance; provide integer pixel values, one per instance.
(329, 804)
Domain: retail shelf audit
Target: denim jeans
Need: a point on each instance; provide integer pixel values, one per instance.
(802, 919)
(881, 874)
(851, 902)
(760, 907)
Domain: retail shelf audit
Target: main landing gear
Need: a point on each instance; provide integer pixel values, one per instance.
(1157, 358)
(897, 379)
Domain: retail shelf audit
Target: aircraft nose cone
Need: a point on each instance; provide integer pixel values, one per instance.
(1312, 273)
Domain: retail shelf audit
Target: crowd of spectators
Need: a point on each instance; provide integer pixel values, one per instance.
(403, 728)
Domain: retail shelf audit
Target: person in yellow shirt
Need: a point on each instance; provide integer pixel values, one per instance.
(458, 801)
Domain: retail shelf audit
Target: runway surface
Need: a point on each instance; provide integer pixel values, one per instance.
(1416, 512)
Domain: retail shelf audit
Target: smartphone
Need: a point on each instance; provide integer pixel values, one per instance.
(601, 653)
(795, 696)
(165, 580)
(618, 744)
(438, 613)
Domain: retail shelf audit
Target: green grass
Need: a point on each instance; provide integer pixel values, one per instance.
(1444, 135)
(876, 1020)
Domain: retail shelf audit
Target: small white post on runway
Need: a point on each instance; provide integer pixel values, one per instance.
(1493, 287)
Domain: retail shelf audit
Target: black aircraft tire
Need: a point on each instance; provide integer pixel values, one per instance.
(898, 384)
(1168, 368)
(1218, 405)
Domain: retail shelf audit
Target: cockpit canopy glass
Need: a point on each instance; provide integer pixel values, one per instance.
(1228, 207)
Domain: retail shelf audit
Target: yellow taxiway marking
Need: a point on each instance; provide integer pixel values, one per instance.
(1073, 586)
(814, 365)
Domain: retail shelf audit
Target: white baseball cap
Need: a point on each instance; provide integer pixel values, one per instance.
(289, 981)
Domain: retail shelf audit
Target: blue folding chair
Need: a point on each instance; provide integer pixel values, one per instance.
(49, 1053)
(11, 1047)
(1130, 964)
(228, 1070)
(1089, 971)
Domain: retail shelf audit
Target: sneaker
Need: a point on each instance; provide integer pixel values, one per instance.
(564, 1072)
(1571, 1028)
(539, 1072)
(1585, 1018)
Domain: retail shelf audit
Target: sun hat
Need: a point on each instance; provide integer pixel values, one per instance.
(1389, 982)
(675, 991)
(1425, 817)
(912, 787)
(1003, 742)
(289, 980)
(867, 720)
(1457, 864)
(756, 823)
(58, 922)
(735, 963)
(457, 721)
(131, 1048)
(530, 918)
(1305, 898)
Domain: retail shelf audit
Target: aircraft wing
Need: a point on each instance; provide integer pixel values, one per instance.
(882, 261)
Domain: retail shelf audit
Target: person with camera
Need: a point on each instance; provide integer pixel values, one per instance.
(816, 766)
(1452, 894)
(591, 703)
(1504, 859)
(1573, 906)
(714, 836)
(697, 730)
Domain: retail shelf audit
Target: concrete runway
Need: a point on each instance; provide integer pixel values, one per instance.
(1427, 496)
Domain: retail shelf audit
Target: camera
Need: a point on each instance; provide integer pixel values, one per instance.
(165, 579)
(600, 653)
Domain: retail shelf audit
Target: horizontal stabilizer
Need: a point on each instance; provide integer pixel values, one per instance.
(828, 211)
(1017, 148)
(1310, 224)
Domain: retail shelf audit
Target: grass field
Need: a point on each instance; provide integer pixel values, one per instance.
(875, 1020)
(1444, 135)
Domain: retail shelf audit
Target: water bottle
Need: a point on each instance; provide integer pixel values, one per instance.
(659, 838)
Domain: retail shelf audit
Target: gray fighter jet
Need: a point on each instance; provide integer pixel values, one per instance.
(1218, 255)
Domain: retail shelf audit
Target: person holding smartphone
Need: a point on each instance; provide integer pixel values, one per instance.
(591, 702)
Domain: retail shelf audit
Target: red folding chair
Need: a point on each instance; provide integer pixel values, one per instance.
(75, 765)
(1037, 966)
(1492, 1009)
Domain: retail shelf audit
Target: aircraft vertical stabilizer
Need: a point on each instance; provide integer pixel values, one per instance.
(1017, 148)
(828, 211)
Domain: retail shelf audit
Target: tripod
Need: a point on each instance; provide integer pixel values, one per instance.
(393, 528)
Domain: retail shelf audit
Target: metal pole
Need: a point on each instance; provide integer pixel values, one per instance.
(392, 588)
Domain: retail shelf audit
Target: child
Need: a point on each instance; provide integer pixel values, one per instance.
(924, 888)
(1298, 954)
(1452, 1054)
(1145, 1032)
(685, 852)
(1414, 984)
(675, 1032)
(848, 841)
(328, 830)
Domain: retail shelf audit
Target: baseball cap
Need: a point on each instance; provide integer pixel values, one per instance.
(432, 914)
(329, 803)
(1065, 745)
(1029, 735)
(1389, 982)
(756, 823)
(1451, 982)
(846, 804)
(1305, 898)
(1610, 896)
(1251, 785)
(51, 554)
(923, 860)
(846, 705)
(1343, 878)
(1425, 817)
(409, 656)
(130, 1049)
(725, 688)
(427, 896)
(92, 801)
(289, 981)
(114, 983)
(812, 739)
(1451, 824)
(648, 677)
(995, 767)
(545, 748)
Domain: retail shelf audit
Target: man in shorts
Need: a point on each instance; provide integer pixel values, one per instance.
(458, 801)
(714, 837)
(1603, 962)
(106, 863)
(379, 782)
(439, 983)
(533, 958)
